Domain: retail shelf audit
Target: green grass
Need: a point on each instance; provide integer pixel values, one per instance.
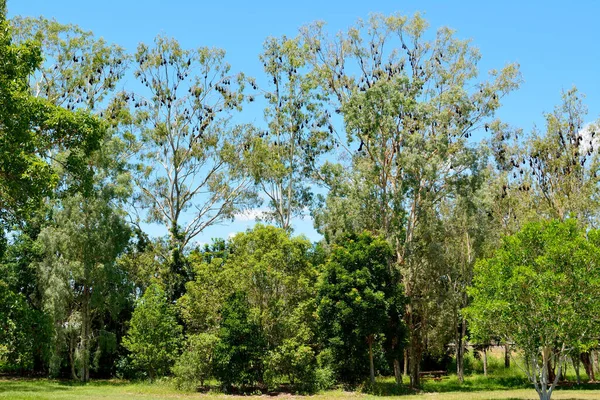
(474, 388)
(506, 384)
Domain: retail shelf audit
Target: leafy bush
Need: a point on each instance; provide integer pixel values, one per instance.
(195, 365)
(241, 348)
(154, 336)
(25, 333)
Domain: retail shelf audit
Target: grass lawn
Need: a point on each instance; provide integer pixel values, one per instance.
(448, 389)
(501, 383)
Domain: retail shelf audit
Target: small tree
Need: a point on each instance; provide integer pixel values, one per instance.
(241, 349)
(154, 336)
(358, 296)
(195, 365)
(541, 291)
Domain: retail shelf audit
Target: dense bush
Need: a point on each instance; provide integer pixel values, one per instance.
(195, 365)
(25, 333)
(358, 296)
(239, 354)
(154, 337)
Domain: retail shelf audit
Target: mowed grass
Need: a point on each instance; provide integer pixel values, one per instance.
(448, 389)
(501, 383)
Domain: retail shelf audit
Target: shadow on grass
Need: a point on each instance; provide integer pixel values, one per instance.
(477, 383)
(97, 382)
(29, 386)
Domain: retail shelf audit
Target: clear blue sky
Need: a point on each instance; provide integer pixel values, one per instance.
(557, 43)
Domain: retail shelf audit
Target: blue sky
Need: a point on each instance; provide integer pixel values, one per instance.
(555, 42)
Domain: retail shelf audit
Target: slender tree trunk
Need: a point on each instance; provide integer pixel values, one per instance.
(586, 360)
(397, 372)
(460, 351)
(485, 361)
(405, 362)
(575, 360)
(413, 350)
(551, 369)
(506, 355)
(457, 345)
(72, 358)
(371, 364)
(85, 340)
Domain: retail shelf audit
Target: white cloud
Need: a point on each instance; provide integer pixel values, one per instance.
(250, 215)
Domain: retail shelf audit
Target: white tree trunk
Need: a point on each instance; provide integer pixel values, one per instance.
(485, 361)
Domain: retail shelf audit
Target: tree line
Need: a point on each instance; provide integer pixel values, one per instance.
(430, 207)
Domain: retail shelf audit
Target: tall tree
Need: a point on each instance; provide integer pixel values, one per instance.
(87, 232)
(78, 271)
(466, 235)
(288, 153)
(191, 175)
(78, 70)
(563, 163)
(411, 104)
(32, 129)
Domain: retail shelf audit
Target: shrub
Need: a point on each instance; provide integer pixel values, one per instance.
(154, 336)
(195, 365)
(241, 347)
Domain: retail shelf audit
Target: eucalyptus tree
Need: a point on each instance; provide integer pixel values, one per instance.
(190, 172)
(79, 70)
(550, 173)
(79, 275)
(287, 155)
(466, 233)
(78, 272)
(411, 104)
(32, 129)
(564, 162)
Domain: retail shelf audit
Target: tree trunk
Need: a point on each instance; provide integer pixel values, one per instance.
(586, 360)
(371, 364)
(551, 369)
(485, 361)
(85, 339)
(414, 362)
(405, 362)
(575, 361)
(460, 350)
(596, 361)
(397, 373)
(413, 350)
(506, 355)
(71, 358)
(545, 386)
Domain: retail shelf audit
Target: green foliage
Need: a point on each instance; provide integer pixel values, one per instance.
(541, 287)
(78, 273)
(25, 333)
(239, 355)
(154, 336)
(195, 365)
(358, 295)
(274, 272)
(540, 291)
(284, 159)
(30, 128)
